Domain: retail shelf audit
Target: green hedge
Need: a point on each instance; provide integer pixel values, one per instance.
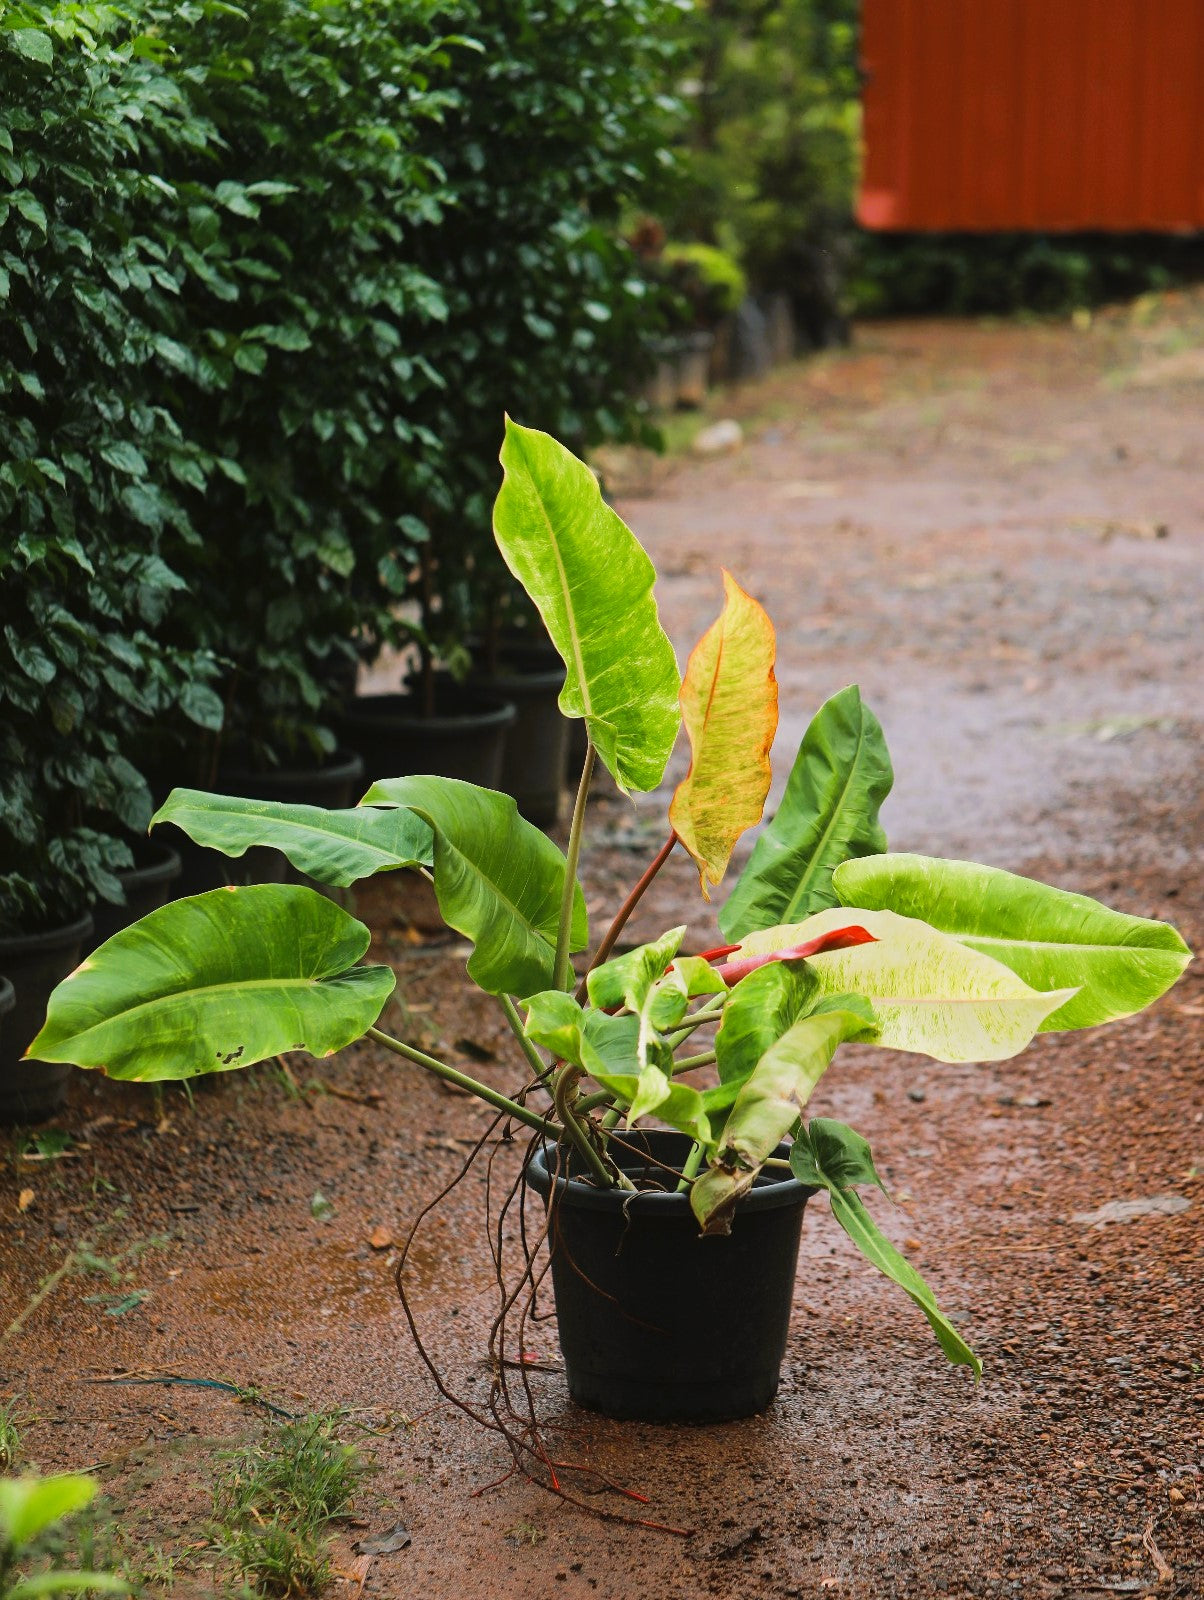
(271, 278)
(93, 467)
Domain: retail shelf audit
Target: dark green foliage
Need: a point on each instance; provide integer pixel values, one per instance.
(91, 463)
(268, 280)
(772, 152)
(904, 274)
(302, 329)
(562, 122)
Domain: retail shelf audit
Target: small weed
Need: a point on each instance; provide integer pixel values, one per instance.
(10, 1434)
(274, 1500)
(526, 1533)
(278, 1559)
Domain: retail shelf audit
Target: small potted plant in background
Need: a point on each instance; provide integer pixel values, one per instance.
(673, 1247)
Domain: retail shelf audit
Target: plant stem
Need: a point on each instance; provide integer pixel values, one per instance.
(567, 1080)
(463, 1081)
(710, 1012)
(560, 972)
(687, 1062)
(538, 1065)
(690, 1170)
(625, 910)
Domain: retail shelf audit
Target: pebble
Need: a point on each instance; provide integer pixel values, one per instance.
(719, 439)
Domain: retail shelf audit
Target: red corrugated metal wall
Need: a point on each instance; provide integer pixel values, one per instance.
(986, 115)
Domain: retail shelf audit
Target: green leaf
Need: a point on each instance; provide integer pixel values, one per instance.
(335, 847)
(66, 1582)
(125, 457)
(850, 1212)
(217, 981)
(931, 994)
(29, 1505)
(761, 1008)
(589, 1039)
(1051, 938)
(829, 812)
(592, 585)
(201, 705)
(498, 880)
(827, 1153)
(33, 44)
(626, 980)
(766, 1108)
(681, 1107)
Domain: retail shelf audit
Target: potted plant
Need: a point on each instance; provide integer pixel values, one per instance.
(672, 1249)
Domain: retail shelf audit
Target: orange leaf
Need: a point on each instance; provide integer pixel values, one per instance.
(729, 699)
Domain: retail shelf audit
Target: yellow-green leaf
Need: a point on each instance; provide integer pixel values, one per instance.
(930, 993)
(729, 700)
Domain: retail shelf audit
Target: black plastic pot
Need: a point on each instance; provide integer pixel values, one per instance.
(337, 784)
(146, 884)
(535, 762)
(34, 963)
(466, 737)
(657, 1322)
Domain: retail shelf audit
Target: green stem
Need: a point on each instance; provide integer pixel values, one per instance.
(462, 1081)
(625, 910)
(690, 1171)
(709, 1012)
(538, 1065)
(592, 1102)
(704, 1059)
(567, 1080)
(560, 972)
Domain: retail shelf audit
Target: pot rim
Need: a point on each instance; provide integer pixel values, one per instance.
(482, 711)
(344, 763)
(768, 1195)
(165, 870)
(66, 933)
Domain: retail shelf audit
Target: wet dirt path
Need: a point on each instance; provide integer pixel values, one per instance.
(965, 520)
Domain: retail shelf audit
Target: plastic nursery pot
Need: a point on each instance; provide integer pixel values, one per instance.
(146, 884)
(466, 737)
(34, 963)
(535, 760)
(658, 1323)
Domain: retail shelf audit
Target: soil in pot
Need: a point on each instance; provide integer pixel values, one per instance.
(465, 738)
(148, 884)
(656, 1322)
(535, 762)
(34, 963)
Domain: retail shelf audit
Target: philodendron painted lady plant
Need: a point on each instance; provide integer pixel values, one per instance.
(829, 937)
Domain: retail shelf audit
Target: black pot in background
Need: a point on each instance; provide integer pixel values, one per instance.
(535, 763)
(34, 964)
(656, 1322)
(336, 785)
(466, 738)
(147, 884)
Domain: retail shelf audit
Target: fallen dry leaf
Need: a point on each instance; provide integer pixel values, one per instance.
(25, 1200)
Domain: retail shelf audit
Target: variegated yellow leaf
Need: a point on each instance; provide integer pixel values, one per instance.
(729, 700)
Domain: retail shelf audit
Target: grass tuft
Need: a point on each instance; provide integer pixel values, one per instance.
(274, 1500)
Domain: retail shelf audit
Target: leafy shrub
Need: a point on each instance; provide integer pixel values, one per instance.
(302, 328)
(710, 280)
(562, 124)
(771, 158)
(92, 465)
(905, 274)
